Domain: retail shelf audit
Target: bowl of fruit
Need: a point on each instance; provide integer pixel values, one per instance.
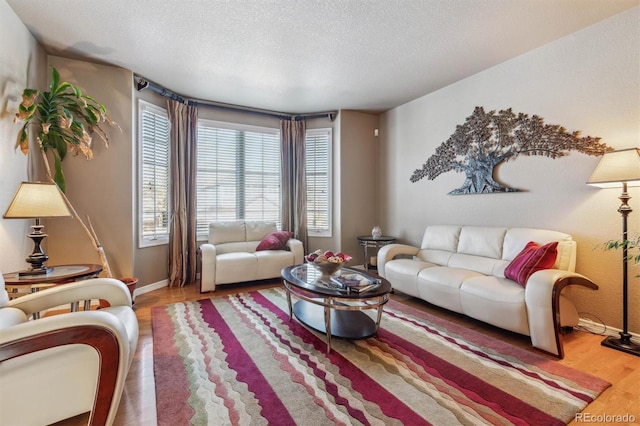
(327, 262)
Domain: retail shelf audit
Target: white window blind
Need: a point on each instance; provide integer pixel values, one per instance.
(154, 175)
(238, 173)
(318, 168)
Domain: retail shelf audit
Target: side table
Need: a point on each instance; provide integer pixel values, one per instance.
(61, 274)
(369, 243)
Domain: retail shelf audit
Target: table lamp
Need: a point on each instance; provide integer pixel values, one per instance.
(37, 200)
(620, 169)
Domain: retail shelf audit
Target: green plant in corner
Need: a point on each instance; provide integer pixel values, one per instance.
(65, 118)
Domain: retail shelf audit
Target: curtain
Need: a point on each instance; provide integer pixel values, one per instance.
(182, 187)
(294, 180)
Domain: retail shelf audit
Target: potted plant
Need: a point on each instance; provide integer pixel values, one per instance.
(64, 119)
(632, 246)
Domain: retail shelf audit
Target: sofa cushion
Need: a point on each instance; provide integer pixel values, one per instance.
(441, 237)
(236, 246)
(228, 231)
(516, 238)
(485, 241)
(438, 257)
(270, 263)
(275, 241)
(484, 265)
(532, 258)
(497, 301)
(440, 285)
(256, 230)
(403, 274)
(236, 267)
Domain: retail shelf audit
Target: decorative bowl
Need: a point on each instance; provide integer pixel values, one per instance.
(327, 269)
(327, 263)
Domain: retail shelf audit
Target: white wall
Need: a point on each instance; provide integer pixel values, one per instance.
(23, 64)
(588, 81)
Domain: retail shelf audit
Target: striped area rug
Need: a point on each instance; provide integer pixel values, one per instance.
(239, 360)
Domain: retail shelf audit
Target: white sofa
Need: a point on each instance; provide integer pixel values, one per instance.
(230, 255)
(63, 365)
(461, 268)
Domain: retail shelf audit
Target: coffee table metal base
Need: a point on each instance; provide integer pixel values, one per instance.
(334, 318)
(334, 309)
(347, 324)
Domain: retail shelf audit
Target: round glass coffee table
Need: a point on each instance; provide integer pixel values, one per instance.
(335, 306)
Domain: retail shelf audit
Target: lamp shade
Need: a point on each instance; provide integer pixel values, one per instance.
(37, 200)
(617, 167)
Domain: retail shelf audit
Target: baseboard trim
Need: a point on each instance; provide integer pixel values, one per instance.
(150, 287)
(603, 329)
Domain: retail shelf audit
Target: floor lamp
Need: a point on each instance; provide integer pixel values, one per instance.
(616, 169)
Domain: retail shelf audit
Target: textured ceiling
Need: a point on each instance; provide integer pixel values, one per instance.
(306, 55)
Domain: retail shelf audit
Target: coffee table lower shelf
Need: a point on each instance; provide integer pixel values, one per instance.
(346, 324)
(332, 309)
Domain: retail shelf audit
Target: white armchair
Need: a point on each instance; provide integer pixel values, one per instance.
(63, 365)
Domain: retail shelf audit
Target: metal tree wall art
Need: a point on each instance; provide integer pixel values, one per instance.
(487, 139)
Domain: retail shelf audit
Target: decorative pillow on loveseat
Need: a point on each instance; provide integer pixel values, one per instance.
(532, 258)
(275, 241)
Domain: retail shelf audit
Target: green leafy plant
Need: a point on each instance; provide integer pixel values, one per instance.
(631, 246)
(65, 118)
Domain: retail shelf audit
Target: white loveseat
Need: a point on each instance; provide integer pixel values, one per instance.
(230, 255)
(461, 268)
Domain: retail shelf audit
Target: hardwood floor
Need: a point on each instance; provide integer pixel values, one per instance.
(582, 352)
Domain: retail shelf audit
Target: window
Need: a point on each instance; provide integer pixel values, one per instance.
(318, 168)
(154, 175)
(238, 174)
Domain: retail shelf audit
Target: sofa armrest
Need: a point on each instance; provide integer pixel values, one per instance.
(390, 251)
(110, 289)
(99, 330)
(542, 297)
(68, 320)
(11, 316)
(296, 247)
(208, 269)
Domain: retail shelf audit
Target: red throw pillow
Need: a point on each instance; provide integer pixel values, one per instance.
(275, 241)
(532, 258)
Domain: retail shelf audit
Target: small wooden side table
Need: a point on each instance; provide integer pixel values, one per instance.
(62, 274)
(370, 243)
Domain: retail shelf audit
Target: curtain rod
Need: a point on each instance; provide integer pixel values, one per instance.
(143, 84)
